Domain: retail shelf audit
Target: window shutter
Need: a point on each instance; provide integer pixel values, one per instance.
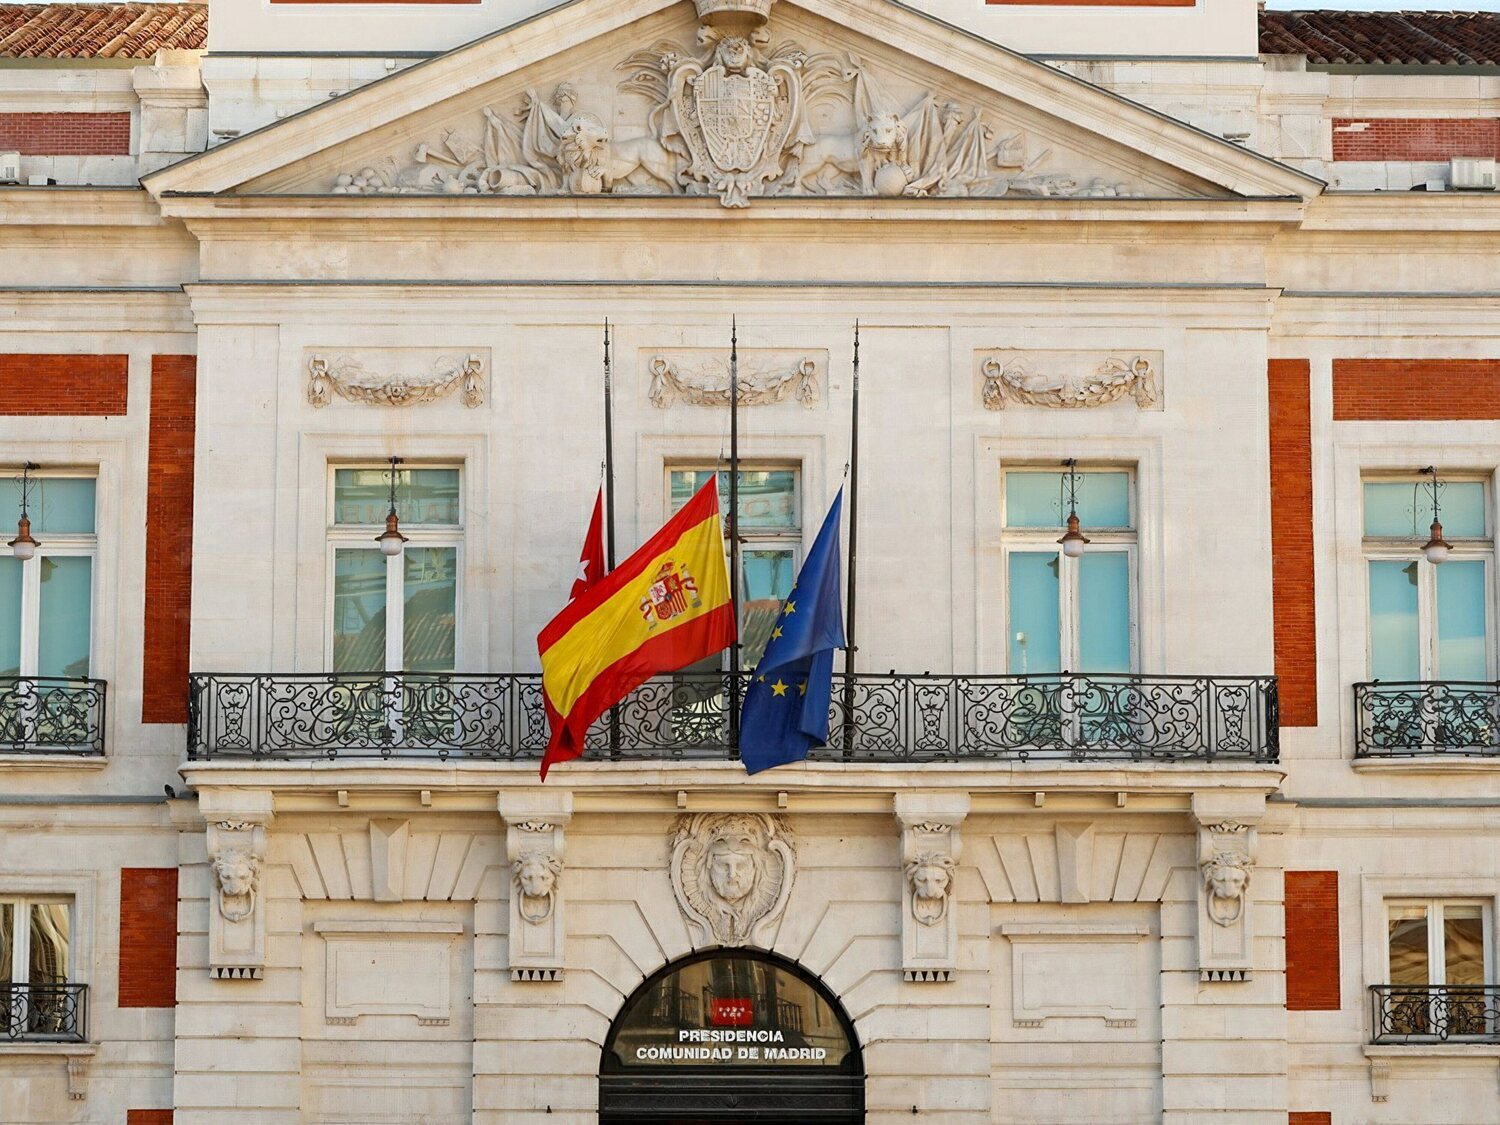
(1312, 941)
(148, 937)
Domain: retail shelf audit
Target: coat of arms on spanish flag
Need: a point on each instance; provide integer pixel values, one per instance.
(663, 608)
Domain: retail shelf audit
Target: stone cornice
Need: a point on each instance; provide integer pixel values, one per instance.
(80, 310)
(78, 207)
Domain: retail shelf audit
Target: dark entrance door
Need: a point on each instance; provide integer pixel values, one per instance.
(732, 1036)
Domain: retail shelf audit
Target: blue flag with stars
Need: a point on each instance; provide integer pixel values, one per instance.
(786, 707)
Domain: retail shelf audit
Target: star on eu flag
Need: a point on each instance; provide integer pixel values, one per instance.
(778, 687)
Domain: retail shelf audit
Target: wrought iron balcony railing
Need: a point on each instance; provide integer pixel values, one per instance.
(889, 718)
(1425, 1013)
(51, 1013)
(1448, 718)
(51, 715)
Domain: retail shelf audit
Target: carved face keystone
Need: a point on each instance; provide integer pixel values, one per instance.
(731, 870)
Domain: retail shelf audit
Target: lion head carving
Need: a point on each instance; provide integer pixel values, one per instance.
(536, 874)
(583, 152)
(884, 136)
(1227, 878)
(237, 872)
(930, 877)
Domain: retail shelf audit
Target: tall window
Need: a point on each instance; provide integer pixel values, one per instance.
(1427, 622)
(770, 529)
(46, 602)
(396, 613)
(35, 939)
(1074, 615)
(1435, 942)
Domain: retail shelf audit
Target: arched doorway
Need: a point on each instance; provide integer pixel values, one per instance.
(732, 1035)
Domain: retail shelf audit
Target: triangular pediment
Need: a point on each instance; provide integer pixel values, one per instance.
(829, 98)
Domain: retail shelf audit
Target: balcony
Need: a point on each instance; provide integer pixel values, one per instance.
(51, 715)
(873, 718)
(1435, 1013)
(1414, 718)
(44, 1013)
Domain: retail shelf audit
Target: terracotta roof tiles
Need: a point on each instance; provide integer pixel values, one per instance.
(1384, 38)
(100, 31)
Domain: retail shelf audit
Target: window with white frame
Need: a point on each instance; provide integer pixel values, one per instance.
(46, 602)
(400, 612)
(35, 958)
(1063, 614)
(1428, 621)
(1439, 953)
(770, 530)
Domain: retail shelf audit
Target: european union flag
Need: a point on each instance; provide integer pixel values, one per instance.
(786, 708)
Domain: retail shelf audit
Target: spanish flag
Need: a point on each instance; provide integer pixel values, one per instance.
(663, 608)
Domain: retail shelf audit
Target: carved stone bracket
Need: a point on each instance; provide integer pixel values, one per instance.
(732, 875)
(236, 856)
(702, 378)
(1226, 859)
(930, 847)
(534, 824)
(1070, 380)
(350, 377)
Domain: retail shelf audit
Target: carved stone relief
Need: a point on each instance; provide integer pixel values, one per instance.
(366, 375)
(700, 377)
(731, 874)
(237, 918)
(930, 847)
(534, 839)
(1226, 858)
(1065, 380)
(734, 117)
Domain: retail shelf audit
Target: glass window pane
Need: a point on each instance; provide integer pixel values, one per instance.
(63, 506)
(431, 599)
(424, 497)
(7, 942)
(63, 640)
(1393, 620)
(1104, 612)
(1463, 943)
(1462, 648)
(768, 497)
(1404, 508)
(50, 935)
(1040, 499)
(1407, 931)
(768, 575)
(358, 610)
(1035, 636)
(10, 616)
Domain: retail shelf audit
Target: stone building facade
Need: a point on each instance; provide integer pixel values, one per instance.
(1200, 826)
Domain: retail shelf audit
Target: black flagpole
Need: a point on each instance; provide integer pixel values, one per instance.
(850, 621)
(609, 507)
(734, 530)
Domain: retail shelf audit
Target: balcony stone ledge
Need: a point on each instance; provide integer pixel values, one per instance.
(1431, 764)
(17, 761)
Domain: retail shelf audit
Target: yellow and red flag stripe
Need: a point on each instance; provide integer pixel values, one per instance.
(663, 608)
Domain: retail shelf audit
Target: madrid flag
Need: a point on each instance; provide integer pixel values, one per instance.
(591, 561)
(663, 608)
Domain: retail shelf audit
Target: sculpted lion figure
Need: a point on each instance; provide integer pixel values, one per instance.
(1227, 878)
(536, 874)
(881, 140)
(583, 153)
(237, 872)
(930, 877)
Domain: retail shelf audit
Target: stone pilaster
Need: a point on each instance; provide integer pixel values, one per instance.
(930, 847)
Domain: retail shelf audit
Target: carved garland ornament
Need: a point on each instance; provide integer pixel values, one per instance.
(731, 874)
(707, 383)
(1019, 381)
(730, 119)
(350, 379)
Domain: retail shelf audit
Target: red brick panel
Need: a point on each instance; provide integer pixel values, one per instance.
(1312, 941)
(169, 539)
(38, 383)
(1294, 620)
(1296, 1117)
(1414, 138)
(148, 1117)
(1416, 390)
(148, 937)
(65, 134)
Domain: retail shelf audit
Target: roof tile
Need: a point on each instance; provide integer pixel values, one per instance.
(100, 31)
(1384, 38)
